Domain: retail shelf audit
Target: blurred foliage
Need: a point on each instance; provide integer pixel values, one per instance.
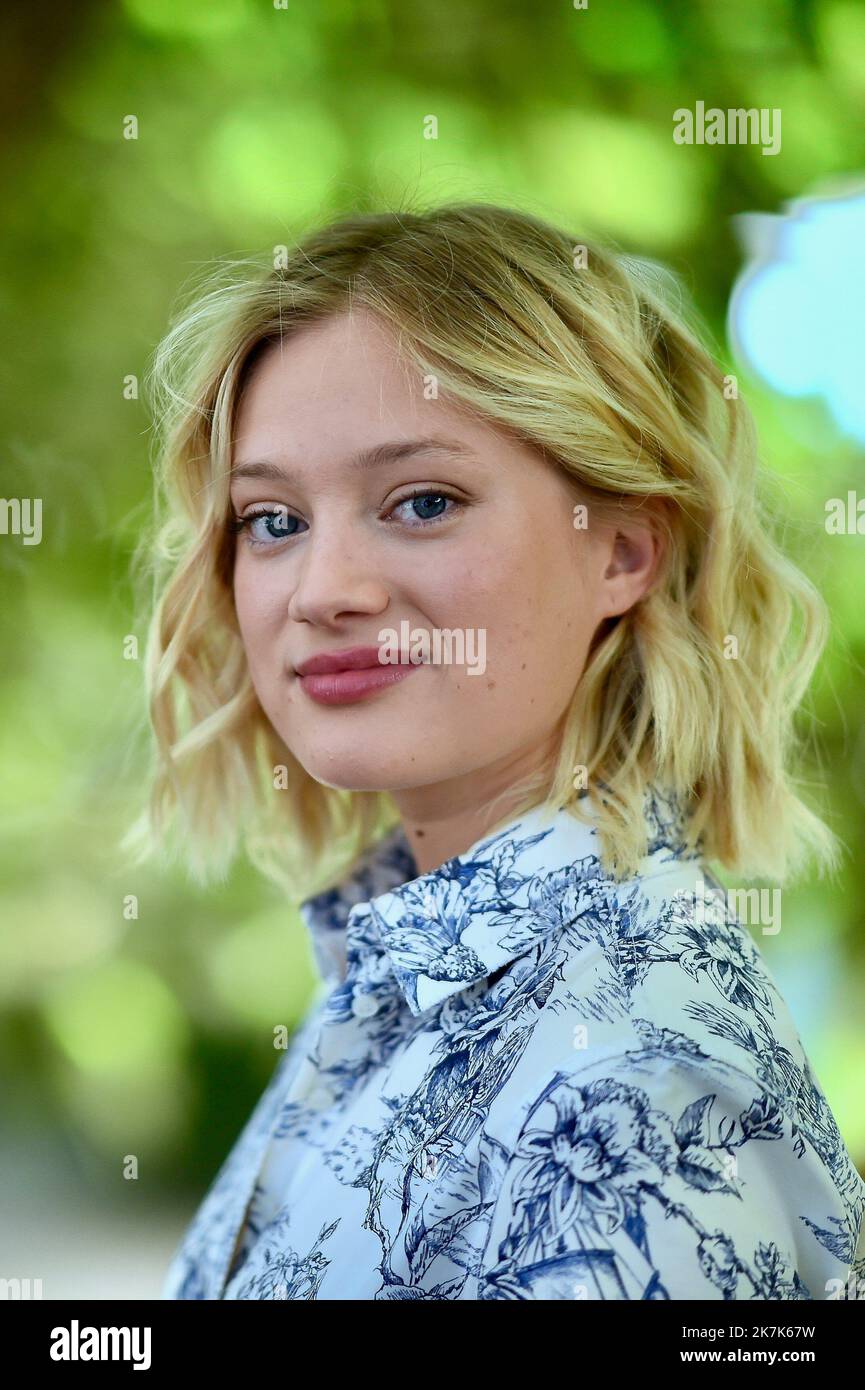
(154, 1035)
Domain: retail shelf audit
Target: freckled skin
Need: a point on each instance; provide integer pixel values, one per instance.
(510, 561)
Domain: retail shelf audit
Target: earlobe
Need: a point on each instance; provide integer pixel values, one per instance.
(633, 566)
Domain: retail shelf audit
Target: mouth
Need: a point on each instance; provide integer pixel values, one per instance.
(344, 677)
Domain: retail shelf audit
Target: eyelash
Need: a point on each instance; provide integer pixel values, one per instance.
(239, 524)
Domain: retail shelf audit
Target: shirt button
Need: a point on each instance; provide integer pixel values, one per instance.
(320, 1098)
(364, 1005)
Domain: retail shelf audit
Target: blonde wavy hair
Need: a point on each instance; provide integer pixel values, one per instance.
(588, 355)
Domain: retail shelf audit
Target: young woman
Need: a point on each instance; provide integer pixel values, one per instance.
(471, 621)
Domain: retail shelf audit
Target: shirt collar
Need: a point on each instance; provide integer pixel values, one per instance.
(444, 930)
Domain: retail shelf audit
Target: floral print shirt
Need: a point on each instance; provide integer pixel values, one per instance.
(523, 1079)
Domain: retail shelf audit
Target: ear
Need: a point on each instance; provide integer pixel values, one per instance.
(634, 553)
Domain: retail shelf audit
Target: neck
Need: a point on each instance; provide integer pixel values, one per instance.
(444, 819)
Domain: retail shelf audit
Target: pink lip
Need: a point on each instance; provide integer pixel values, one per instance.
(348, 659)
(340, 678)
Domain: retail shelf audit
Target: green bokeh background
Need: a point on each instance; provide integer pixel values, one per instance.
(153, 1037)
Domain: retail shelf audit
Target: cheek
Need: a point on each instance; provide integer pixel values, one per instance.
(259, 604)
(536, 649)
(531, 596)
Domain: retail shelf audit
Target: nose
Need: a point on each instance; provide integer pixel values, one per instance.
(336, 576)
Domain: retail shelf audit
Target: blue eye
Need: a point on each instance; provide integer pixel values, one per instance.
(266, 526)
(423, 503)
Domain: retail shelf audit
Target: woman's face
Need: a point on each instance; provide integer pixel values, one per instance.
(451, 527)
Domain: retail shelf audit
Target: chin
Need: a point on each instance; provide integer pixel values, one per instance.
(354, 774)
(351, 774)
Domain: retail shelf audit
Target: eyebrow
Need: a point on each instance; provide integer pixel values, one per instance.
(379, 454)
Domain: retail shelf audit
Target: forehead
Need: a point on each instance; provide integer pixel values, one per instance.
(350, 361)
(340, 386)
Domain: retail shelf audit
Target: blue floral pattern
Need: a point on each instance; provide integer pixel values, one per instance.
(523, 1079)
